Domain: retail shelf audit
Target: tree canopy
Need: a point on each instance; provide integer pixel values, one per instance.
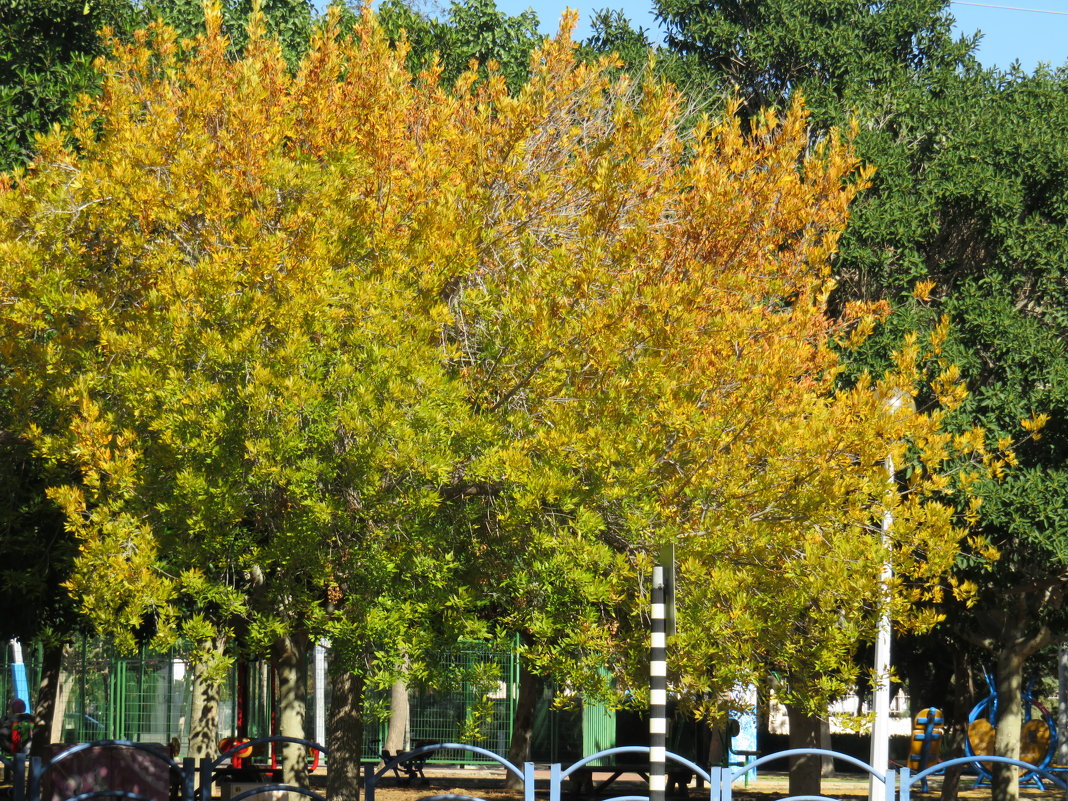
(327, 347)
(968, 195)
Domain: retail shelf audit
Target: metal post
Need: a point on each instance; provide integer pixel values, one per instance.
(320, 691)
(369, 782)
(37, 769)
(658, 693)
(555, 781)
(528, 781)
(18, 777)
(715, 775)
(206, 779)
(880, 731)
(189, 779)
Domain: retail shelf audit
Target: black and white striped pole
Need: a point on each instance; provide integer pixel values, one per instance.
(658, 693)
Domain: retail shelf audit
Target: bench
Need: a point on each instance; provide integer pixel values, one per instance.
(412, 766)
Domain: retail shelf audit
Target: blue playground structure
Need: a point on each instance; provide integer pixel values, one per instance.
(1038, 736)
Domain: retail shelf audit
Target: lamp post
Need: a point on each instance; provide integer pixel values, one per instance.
(880, 732)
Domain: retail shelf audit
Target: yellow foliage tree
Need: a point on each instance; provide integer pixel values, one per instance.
(336, 351)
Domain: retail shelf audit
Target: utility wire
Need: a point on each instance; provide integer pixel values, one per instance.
(1009, 8)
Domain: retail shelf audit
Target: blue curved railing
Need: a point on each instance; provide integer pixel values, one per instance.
(148, 748)
(557, 775)
(887, 778)
(372, 778)
(908, 780)
(636, 749)
(808, 752)
(247, 744)
(39, 769)
(110, 794)
(898, 783)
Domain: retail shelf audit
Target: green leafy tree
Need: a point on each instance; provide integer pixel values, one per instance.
(252, 415)
(475, 30)
(290, 21)
(39, 559)
(836, 53)
(46, 52)
(328, 349)
(978, 208)
(969, 195)
(612, 32)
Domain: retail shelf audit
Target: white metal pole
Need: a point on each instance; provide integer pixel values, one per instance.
(320, 690)
(880, 731)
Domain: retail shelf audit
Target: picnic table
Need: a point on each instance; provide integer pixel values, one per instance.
(585, 782)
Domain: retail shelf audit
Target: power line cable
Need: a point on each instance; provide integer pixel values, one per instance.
(1010, 8)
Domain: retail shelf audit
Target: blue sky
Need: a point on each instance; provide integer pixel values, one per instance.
(1008, 34)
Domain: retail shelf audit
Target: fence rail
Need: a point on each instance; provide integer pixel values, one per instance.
(161, 778)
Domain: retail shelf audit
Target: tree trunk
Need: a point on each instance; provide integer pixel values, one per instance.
(63, 691)
(44, 713)
(204, 715)
(344, 733)
(805, 770)
(1005, 783)
(826, 763)
(288, 655)
(961, 694)
(397, 735)
(530, 686)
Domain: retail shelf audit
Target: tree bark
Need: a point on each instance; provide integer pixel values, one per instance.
(826, 763)
(204, 715)
(1016, 647)
(397, 735)
(530, 686)
(344, 733)
(805, 770)
(44, 713)
(960, 696)
(1005, 782)
(289, 657)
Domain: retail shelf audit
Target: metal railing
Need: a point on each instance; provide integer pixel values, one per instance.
(188, 781)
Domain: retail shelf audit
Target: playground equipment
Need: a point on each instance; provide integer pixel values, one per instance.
(1038, 736)
(18, 674)
(926, 740)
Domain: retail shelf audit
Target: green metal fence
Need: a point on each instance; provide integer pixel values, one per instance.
(147, 698)
(475, 705)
